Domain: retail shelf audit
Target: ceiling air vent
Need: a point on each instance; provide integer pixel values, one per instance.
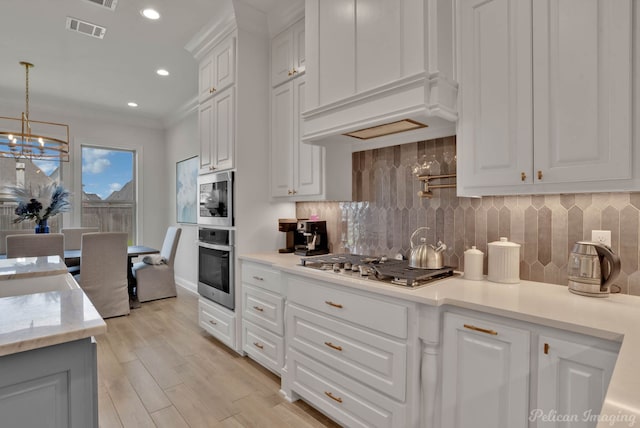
(109, 4)
(85, 28)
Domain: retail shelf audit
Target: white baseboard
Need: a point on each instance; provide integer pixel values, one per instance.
(187, 285)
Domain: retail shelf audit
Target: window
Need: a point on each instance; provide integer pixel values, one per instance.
(32, 175)
(109, 190)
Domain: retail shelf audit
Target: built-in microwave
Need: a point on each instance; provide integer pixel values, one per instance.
(215, 199)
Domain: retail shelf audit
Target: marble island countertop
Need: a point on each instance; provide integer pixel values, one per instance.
(30, 267)
(614, 318)
(42, 307)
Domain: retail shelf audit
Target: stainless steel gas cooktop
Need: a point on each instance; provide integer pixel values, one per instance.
(391, 271)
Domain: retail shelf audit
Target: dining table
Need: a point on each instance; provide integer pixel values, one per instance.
(133, 251)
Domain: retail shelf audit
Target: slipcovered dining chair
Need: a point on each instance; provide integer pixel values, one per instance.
(157, 281)
(73, 241)
(103, 272)
(73, 236)
(35, 245)
(5, 233)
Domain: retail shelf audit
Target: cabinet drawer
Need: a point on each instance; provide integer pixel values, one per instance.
(374, 360)
(263, 308)
(263, 346)
(340, 397)
(352, 307)
(217, 322)
(262, 277)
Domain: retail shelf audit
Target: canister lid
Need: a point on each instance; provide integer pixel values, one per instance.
(504, 242)
(473, 250)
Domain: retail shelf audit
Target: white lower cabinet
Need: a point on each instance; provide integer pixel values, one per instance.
(493, 377)
(263, 315)
(485, 374)
(353, 355)
(217, 321)
(572, 380)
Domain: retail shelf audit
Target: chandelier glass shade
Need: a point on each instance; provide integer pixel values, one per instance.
(32, 139)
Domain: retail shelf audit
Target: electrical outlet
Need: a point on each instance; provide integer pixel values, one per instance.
(601, 236)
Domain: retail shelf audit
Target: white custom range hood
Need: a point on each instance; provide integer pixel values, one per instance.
(387, 74)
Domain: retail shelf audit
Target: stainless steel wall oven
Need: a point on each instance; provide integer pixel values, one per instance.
(216, 265)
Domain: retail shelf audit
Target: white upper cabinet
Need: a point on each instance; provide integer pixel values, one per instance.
(288, 54)
(217, 132)
(217, 70)
(545, 96)
(374, 62)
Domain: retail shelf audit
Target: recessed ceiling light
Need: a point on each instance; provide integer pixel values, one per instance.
(132, 104)
(162, 72)
(150, 14)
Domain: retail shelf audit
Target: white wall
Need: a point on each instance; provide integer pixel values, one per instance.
(92, 126)
(182, 143)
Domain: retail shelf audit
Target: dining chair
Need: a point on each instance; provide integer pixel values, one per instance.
(157, 281)
(35, 245)
(73, 236)
(103, 272)
(5, 233)
(73, 241)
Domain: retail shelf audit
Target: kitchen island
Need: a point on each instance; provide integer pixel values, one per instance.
(613, 319)
(48, 370)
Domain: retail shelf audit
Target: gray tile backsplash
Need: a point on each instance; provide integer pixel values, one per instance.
(386, 209)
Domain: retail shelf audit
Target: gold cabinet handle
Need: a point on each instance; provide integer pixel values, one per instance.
(332, 346)
(546, 348)
(211, 168)
(257, 345)
(294, 71)
(258, 308)
(481, 330)
(258, 278)
(539, 175)
(294, 191)
(523, 176)
(213, 322)
(330, 395)
(212, 90)
(335, 305)
(290, 192)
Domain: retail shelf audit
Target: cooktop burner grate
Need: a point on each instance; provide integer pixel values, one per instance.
(392, 271)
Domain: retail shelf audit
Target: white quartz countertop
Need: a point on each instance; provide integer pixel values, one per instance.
(43, 307)
(616, 317)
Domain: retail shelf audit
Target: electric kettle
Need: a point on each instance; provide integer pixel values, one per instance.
(592, 268)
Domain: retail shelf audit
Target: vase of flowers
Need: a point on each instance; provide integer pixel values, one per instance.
(31, 207)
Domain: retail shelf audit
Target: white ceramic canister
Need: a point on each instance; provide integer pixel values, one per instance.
(473, 263)
(504, 261)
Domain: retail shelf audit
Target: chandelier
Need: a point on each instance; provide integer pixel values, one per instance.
(32, 139)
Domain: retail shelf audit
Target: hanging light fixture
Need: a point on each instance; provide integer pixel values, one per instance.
(33, 139)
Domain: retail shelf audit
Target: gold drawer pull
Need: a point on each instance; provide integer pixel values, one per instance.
(481, 330)
(330, 395)
(257, 345)
(212, 90)
(257, 278)
(258, 308)
(546, 348)
(213, 322)
(212, 168)
(335, 305)
(539, 175)
(331, 345)
(523, 176)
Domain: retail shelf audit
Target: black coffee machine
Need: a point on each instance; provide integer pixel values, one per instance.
(292, 239)
(314, 235)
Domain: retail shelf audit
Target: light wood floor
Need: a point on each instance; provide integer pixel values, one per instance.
(156, 367)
